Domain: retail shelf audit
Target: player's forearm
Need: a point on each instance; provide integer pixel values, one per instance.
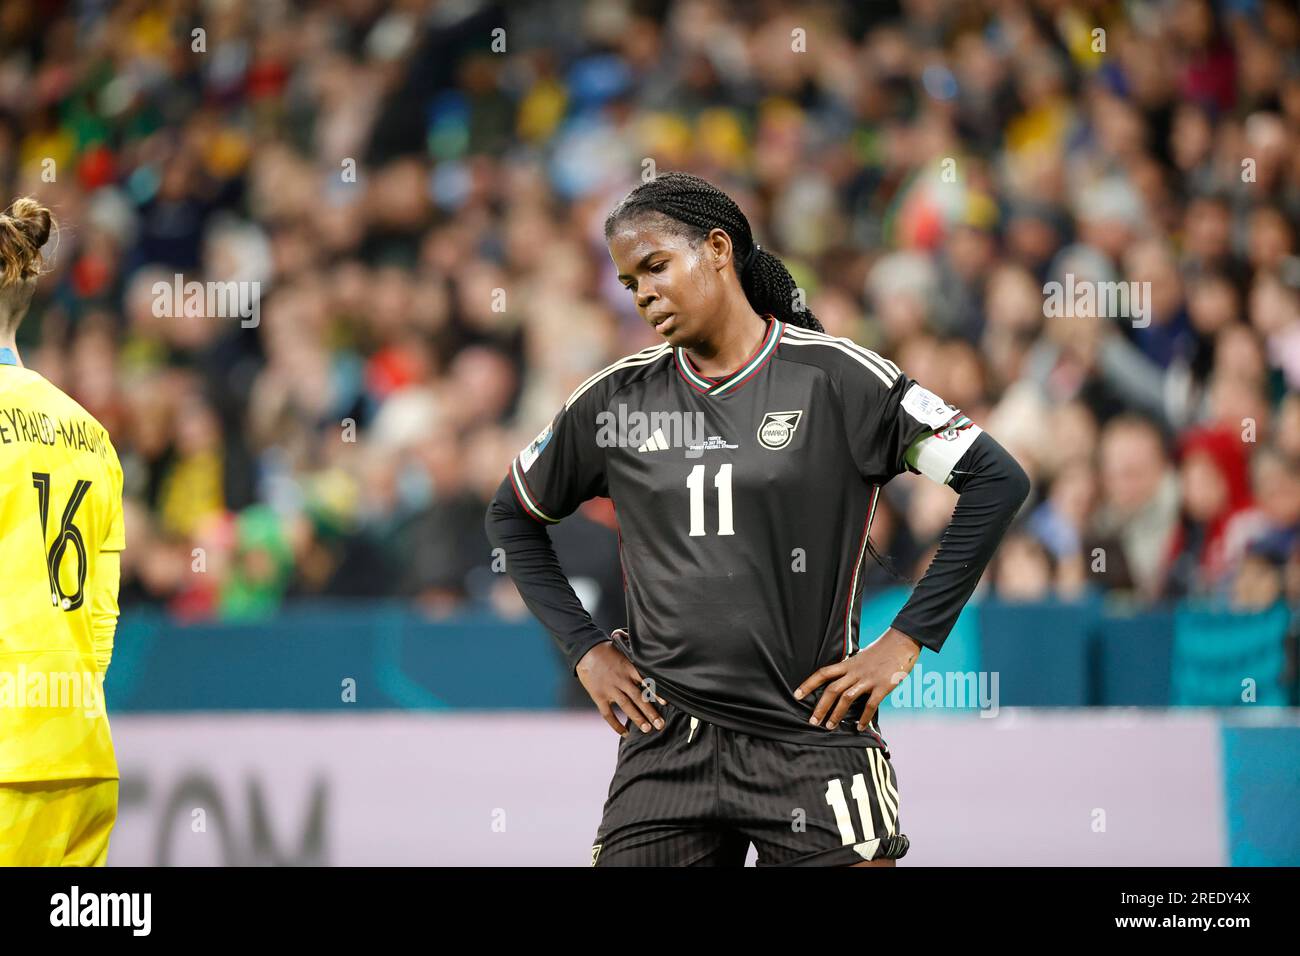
(103, 607)
(991, 488)
(533, 565)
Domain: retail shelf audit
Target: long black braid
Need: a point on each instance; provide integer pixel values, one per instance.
(697, 207)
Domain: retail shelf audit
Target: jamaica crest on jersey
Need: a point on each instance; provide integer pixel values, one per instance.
(777, 428)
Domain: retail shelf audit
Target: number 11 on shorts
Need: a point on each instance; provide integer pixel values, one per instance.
(844, 820)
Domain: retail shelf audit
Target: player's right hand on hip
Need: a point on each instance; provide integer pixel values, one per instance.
(610, 678)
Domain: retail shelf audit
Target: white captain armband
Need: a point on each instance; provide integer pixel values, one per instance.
(936, 455)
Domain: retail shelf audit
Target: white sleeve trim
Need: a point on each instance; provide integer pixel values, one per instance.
(937, 455)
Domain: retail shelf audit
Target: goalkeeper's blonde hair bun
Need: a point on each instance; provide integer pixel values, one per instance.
(24, 229)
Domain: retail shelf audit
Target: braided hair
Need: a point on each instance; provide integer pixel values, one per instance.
(696, 207)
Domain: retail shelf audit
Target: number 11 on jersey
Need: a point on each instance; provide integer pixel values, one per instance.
(721, 481)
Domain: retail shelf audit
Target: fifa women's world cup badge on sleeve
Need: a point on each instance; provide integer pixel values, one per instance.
(529, 454)
(928, 408)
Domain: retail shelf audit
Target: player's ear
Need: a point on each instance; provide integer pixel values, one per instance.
(720, 248)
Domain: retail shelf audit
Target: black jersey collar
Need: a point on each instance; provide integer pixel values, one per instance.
(730, 383)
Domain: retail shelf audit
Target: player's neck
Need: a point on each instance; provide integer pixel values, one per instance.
(740, 338)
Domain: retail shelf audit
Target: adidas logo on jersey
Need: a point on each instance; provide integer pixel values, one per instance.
(656, 442)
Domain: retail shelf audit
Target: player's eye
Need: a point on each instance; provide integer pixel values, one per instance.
(659, 266)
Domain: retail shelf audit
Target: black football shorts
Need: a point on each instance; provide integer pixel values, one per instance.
(695, 794)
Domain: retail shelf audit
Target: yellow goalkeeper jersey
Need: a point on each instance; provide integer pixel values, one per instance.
(60, 511)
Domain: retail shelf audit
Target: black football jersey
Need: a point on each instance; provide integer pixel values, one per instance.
(744, 505)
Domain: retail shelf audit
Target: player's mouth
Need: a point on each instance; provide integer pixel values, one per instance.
(664, 323)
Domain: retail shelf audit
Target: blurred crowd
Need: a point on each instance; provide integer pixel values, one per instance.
(418, 189)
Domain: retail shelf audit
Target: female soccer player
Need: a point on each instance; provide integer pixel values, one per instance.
(60, 534)
(744, 457)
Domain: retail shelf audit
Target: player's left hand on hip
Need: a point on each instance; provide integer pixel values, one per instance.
(871, 673)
